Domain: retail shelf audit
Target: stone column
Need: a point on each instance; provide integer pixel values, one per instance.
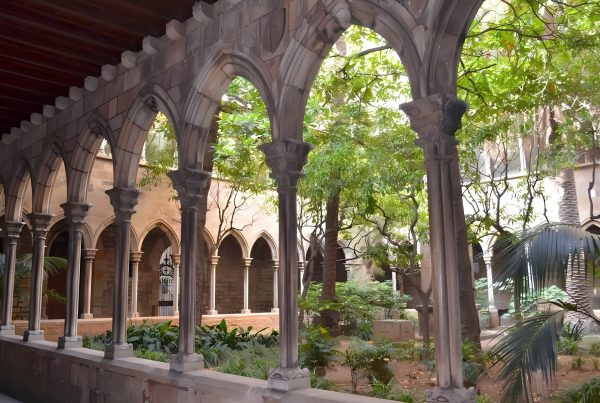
(286, 159)
(123, 201)
(12, 231)
(246, 262)
(301, 275)
(276, 286)
(88, 259)
(176, 259)
(75, 213)
(212, 307)
(135, 258)
(394, 281)
(493, 311)
(191, 186)
(436, 119)
(40, 224)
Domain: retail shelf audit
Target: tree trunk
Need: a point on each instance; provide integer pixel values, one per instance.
(331, 318)
(468, 311)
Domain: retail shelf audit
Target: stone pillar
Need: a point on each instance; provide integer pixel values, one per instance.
(135, 258)
(493, 311)
(123, 201)
(75, 213)
(394, 281)
(12, 231)
(246, 262)
(286, 159)
(191, 186)
(301, 275)
(276, 286)
(436, 119)
(212, 307)
(88, 259)
(40, 224)
(176, 259)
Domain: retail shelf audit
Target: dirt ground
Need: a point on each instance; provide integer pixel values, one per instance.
(413, 376)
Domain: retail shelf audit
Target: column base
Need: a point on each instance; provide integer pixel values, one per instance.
(86, 316)
(33, 335)
(246, 311)
(288, 379)
(275, 310)
(212, 312)
(494, 317)
(70, 342)
(451, 395)
(7, 330)
(134, 315)
(186, 362)
(118, 351)
(175, 313)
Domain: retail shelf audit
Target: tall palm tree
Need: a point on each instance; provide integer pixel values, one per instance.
(533, 260)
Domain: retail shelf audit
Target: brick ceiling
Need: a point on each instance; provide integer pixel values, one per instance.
(47, 46)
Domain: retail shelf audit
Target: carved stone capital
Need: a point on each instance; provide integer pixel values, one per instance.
(123, 201)
(40, 224)
(247, 262)
(275, 264)
(435, 119)
(191, 186)
(286, 159)
(76, 213)
(135, 257)
(13, 229)
(287, 379)
(214, 260)
(176, 258)
(89, 255)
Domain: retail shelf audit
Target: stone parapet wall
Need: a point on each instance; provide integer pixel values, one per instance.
(38, 372)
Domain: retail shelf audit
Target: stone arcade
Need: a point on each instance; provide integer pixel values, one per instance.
(278, 46)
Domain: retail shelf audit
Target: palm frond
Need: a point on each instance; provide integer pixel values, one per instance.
(54, 265)
(529, 348)
(540, 256)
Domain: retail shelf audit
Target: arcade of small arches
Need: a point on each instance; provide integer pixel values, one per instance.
(278, 47)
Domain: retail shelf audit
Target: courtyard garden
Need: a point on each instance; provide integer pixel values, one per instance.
(362, 362)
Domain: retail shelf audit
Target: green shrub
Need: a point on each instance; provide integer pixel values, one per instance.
(234, 339)
(577, 363)
(369, 360)
(318, 382)
(588, 392)
(317, 348)
(254, 361)
(573, 332)
(161, 336)
(390, 391)
(594, 349)
(161, 356)
(567, 346)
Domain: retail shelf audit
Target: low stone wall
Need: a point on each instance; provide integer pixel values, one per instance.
(38, 372)
(54, 328)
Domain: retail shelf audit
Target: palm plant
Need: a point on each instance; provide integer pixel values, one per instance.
(23, 267)
(530, 261)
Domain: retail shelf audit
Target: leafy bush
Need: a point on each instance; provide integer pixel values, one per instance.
(390, 391)
(594, 349)
(572, 331)
(588, 392)
(369, 360)
(473, 363)
(161, 356)
(254, 361)
(160, 336)
(318, 382)
(234, 339)
(317, 348)
(567, 347)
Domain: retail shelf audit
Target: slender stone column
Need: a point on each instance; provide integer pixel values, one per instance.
(123, 201)
(12, 231)
(75, 213)
(493, 311)
(192, 186)
(212, 307)
(276, 286)
(301, 275)
(394, 281)
(436, 119)
(246, 263)
(286, 159)
(135, 258)
(88, 258)
(176, 259)
(40, 223)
